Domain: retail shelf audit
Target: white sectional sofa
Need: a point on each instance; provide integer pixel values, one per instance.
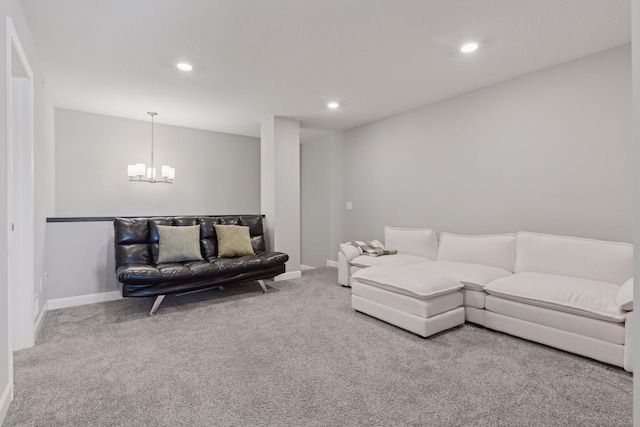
(413, 245)
(570, 293)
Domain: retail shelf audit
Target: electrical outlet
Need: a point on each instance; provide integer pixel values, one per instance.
(349, 206)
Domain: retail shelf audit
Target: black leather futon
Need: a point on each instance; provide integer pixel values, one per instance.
(136, 249)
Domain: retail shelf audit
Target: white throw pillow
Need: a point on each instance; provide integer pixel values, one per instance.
(420, 242)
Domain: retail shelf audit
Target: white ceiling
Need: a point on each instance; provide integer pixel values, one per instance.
(256, 58)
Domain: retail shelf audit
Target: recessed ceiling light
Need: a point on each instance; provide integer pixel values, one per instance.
(469, 47)
(333, 105)
(184, 66)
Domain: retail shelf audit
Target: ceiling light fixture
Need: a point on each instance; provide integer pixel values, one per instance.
(184, 66)
(469, 47)
(333, 105)
(139, 172)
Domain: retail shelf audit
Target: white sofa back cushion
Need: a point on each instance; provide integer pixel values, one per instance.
(420, 242)
(496, 250)
(572, 256)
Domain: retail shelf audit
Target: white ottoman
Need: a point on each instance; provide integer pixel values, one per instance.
(421, 301)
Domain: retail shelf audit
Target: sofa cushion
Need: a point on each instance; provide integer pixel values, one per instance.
(167, 272)
(175, 271)
(131, 230)
(571, 256)
(138, 273)
(420, 242)
(397, 259)
(422, 284)
(180, 272)
(496, 250)
(176, 244)
(570, 294)
(472, 276)
(241, 264)
(233, 240)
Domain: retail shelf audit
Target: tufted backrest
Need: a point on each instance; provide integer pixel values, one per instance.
(136, 239)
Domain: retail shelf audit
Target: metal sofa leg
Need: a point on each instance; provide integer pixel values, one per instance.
(263, 286)
(156, 304)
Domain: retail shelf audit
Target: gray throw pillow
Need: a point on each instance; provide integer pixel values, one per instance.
(233, 240)
(177, 244)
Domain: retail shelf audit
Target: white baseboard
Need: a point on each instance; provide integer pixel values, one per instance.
(40, 318)
(54, 304)
(5, 401)
(333, 264)
(306, 267)
(288, 276)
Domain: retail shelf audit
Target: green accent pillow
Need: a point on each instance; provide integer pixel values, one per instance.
(233, 240)
(177, 244)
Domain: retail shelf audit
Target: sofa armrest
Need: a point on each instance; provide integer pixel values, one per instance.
(624, 299)
(345, 255)
(349, 251)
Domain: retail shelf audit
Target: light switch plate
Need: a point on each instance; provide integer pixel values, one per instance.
(349, 206)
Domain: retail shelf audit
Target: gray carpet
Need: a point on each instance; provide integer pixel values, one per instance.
(297, 356)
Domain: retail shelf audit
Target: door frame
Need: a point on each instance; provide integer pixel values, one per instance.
(21, 196)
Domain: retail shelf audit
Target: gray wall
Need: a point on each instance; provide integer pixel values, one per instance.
(44, 161)
(74, 273)
(321, 199)
(549, 152)
(280, 186)
(43, 179)
(216, 173)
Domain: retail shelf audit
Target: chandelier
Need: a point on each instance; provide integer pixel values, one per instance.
(140, 173)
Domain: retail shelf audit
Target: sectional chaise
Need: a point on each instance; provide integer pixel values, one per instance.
(571, 293)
